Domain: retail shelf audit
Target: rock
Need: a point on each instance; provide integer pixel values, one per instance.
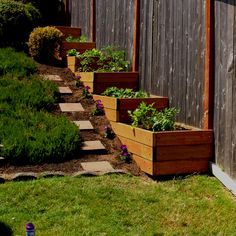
(24, 176)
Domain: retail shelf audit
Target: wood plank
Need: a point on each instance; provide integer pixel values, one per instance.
(139, 135)
(86, 76)
(108, 102)
(145, 165)
(181, 167)
(113, 76)
(144, 151)
(184, 137)
(183, 152)
(111, 114)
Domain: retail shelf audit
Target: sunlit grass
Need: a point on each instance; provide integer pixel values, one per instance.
(119, 205)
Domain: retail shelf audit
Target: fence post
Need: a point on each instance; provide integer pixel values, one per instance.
(135, 60)
(93, 21)
(209, 67)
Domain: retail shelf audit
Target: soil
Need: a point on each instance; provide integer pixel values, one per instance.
(112, 145)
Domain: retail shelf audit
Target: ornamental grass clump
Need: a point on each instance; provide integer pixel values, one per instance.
(124, 93)
(147, 117)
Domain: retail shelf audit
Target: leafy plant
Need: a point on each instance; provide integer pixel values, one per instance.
(44, 44)
(149, 118)
(108, 133)
(72, 39)
(124, 93)
(107, 59)
(72, 53)
(99, 109)
(86, 93)
(125, 155)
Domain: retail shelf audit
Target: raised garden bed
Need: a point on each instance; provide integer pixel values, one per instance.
(100, 81)
(69, 31)
(116, 108)
(167, 152)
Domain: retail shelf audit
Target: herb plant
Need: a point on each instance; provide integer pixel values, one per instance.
(124, 93)
(72, 39)
(72, 53)
(149, 118)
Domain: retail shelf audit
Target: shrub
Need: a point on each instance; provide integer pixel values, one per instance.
(31, 137)
(16, 63)
(16, 22)
(44, 44)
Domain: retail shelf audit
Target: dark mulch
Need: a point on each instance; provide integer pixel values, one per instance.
(112, 146)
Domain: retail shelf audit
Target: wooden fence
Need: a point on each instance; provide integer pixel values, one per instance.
(172, 56)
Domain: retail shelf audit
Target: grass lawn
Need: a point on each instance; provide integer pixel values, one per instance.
(119, 205)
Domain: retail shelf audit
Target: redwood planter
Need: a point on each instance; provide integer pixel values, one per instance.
(69, 31)
(80, 47)
(168, 152)
(116, 109)
(100, 81)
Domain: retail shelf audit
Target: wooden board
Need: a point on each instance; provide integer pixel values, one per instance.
(69, 31)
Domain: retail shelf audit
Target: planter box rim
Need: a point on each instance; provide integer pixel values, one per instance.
(151, 96)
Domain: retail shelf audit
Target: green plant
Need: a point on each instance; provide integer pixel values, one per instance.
(72, 53)
(149, 118)
(16, 22)
(44, 44)
(16, 63)
(72, 39)
(99, 108)
(86, 93)
(107, 59)
(124, 93)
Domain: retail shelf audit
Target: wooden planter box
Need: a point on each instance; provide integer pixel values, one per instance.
(116, 109)
(100, 81)
(80, 47)
(69, 31)
(72, 63)
(169, 152)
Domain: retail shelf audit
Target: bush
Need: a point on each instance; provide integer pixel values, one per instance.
(16, 22)
(44, 44)
(31, 137)
(16, 63)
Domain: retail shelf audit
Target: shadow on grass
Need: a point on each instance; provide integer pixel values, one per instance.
(5, 230)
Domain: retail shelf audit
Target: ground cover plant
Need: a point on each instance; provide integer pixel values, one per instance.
(147, 117)
(108, 59)
(119, 205)
(16, 63)
(72, 39)
(29, 134)
(124, 93)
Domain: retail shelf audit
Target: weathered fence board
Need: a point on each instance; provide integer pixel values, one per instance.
(172, 54)
(225, 94)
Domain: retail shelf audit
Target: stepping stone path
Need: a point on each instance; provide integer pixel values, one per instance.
(98, 166)
(84, 125)
(71, 107)
(92, 146)
(65, 90)
(55, 78)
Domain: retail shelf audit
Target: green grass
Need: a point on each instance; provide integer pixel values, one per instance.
(119, 205)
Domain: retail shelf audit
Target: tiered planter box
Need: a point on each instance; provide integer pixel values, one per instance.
(100, 81)
(80, 47)
(69, 31)
(116, 109)
(169, 152)
(72, 63)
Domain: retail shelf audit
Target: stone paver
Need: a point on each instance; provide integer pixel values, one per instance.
(65, 90)
(98, 166)
(71, 107)
(52, 77)
(92, 146)
(84, 125)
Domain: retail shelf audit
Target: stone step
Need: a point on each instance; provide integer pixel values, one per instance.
(71, 107)
(55, 78)
(97, 166)
(84, 124)
(93, 146)
(65, 90)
